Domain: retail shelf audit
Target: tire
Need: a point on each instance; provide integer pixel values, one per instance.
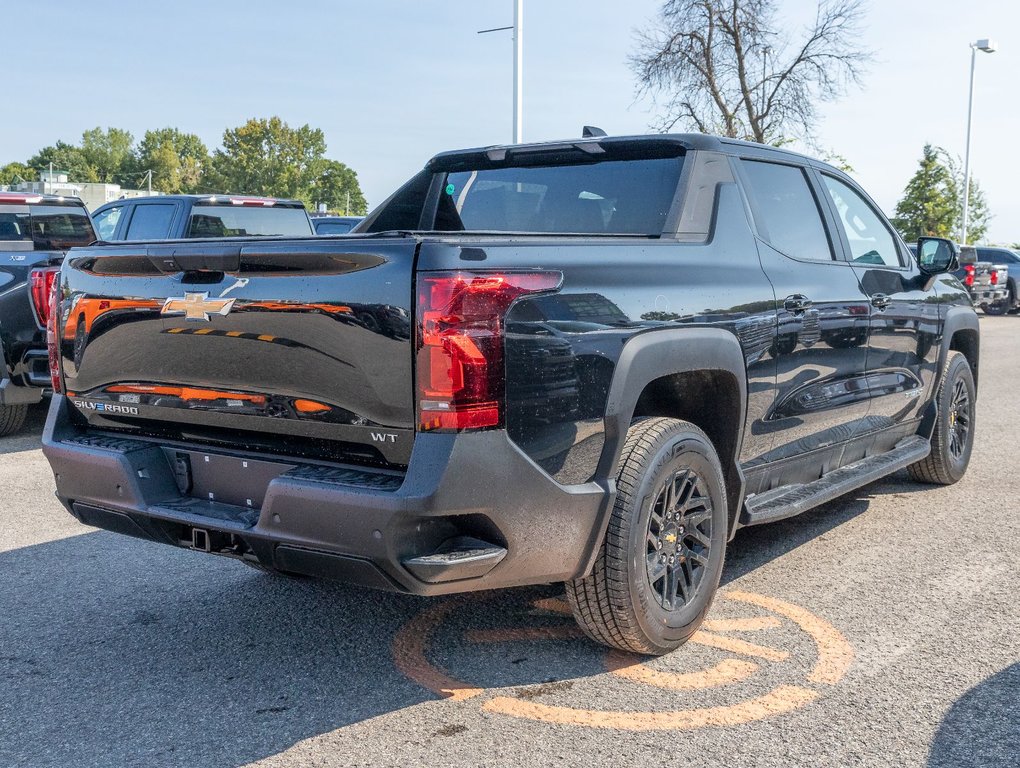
(999, 307)
(12, 418)
(953, 438)
(621, 603)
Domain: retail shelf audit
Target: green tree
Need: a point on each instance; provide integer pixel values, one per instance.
(64, 157)
(929, 202)
(337, 186)
(268, 157)
(177, 160)
(978, 214)
(108, 153)
(12, 173)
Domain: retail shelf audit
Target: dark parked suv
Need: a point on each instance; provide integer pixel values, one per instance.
(601, 358)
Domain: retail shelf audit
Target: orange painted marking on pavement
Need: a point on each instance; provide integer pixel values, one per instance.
(522, 634)
(553, 605)
(753, 624)
(785, 698)
(409, 654)
(725, 672)
(733, 645)
(835, 654)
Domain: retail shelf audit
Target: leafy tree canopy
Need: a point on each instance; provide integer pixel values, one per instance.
(268, 157)
(337, 186)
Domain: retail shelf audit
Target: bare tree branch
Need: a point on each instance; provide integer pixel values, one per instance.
(729, 66)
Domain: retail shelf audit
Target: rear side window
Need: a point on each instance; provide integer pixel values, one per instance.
(626, 197)
(244, 221)
(59, 227)
(788, 210)
(151, 222)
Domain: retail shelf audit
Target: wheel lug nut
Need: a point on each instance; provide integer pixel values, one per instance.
(676, 516)
(680, 529)
(671, 559)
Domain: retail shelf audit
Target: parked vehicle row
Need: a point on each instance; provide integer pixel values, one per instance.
(35, 232)
(588, 361)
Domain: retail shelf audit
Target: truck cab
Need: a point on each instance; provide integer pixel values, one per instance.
(169, 217)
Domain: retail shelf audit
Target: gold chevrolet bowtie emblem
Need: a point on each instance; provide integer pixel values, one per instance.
(196, 306)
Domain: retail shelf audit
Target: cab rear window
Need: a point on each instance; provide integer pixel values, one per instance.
(241, 221)
(612, 197)
(48, 227)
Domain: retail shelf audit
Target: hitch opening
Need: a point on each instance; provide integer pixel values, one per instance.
(200, 539)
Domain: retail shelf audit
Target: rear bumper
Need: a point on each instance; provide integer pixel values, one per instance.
(357, 525)
(989, 295)
(12, 391)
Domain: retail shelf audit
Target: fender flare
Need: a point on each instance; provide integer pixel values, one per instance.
(663, 352)
(959, 319)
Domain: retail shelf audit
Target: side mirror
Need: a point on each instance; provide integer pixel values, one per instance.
(936, 255)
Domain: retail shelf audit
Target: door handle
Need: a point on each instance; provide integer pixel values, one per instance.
(881, 301)
(797, 303)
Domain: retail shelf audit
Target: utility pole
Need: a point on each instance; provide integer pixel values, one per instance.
(148, 180)
(518, 41)
(987, 46)
(347, 208)
(518, 71)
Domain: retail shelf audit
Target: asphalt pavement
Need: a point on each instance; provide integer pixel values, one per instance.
(879, 630)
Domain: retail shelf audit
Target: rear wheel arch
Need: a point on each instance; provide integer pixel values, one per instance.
(696, 375)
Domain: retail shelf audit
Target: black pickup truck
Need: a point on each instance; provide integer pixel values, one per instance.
(590, 361)
(35, 231)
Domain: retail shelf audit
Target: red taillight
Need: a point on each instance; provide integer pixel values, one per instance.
(40, 286)
(994, 279)
(460, 344)
(968, 278)
(53, 334)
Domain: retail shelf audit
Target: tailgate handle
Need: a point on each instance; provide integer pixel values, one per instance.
(205, 258)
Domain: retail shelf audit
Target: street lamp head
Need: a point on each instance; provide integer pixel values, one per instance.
(988, 46)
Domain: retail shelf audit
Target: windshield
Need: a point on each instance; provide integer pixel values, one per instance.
(626, 197)
(245, 221)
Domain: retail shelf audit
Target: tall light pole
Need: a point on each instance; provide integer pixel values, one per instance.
(518, 40)
(987, 46)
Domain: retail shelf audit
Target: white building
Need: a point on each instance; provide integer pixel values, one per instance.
(92, 194)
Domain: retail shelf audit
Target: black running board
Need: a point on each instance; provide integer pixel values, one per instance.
(793, 499)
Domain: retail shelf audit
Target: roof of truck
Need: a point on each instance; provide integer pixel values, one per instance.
(208, 199)
(31, 198)
(660, 143)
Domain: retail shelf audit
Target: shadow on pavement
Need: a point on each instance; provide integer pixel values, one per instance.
(29, 437)
(983, 727)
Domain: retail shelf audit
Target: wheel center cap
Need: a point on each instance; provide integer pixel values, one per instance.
(670, 538)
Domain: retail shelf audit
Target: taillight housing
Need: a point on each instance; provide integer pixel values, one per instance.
(968, 278)
(53, 334)
(40, 288)
(994, 278)
(461, 377)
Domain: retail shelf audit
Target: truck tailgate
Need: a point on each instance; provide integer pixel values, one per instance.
(298, 347)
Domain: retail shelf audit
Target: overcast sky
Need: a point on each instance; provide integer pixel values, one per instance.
(392, 82)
